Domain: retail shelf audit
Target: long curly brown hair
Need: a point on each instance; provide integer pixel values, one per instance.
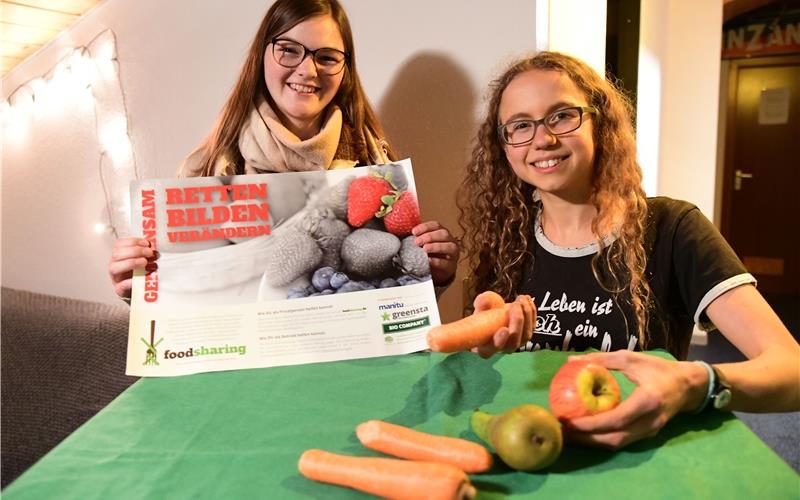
(498, 209)
(282, 16)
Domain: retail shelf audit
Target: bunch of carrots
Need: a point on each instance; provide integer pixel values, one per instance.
(428, 466)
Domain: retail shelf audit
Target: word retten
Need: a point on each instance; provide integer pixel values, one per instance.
(223, 193)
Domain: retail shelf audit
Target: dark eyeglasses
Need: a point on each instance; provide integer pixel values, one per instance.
(290, 54)
(559, 122)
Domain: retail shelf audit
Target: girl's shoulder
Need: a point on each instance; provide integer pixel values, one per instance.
(663, 208)
(667, 216)
(672, 221)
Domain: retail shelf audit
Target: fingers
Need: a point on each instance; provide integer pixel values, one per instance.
(615, 440)
(614, 360)
(443, 250)
(435, 238)
(529, 310)
(516, 326)
(127, 255)
(521, 323)
(131, 242)
(123, 269)
(446, 250)
(497, 343)
(634, 419)
(625, 414)
(427, 227)
(123, 288)
(131, 248)
(639, 368)
(507, 339)
(126, 259)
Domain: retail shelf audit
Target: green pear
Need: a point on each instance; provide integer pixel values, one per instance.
(526, 437)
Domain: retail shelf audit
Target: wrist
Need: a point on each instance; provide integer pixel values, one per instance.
(706, 387)
(718, 390)
(697, 392)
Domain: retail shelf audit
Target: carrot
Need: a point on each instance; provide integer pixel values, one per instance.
(387, 477)
(490, 300)
(469, 332)
(408, 443)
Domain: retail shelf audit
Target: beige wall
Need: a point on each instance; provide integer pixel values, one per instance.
(578, 27)
(678, 95)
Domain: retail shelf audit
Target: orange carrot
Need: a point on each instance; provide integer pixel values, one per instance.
(490, 300)
(469, 332)
(387, 477)
(404, 442)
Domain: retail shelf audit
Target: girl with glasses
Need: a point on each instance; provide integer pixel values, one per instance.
(553, 209)
(297, 105)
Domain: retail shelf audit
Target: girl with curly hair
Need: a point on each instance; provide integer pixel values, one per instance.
(553, 209)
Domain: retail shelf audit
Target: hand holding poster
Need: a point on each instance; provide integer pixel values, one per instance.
(278, 269)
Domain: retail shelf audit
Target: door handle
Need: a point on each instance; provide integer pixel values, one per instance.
(737, 179)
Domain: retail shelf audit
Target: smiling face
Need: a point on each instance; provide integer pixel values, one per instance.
(301, 94)
(561, 165)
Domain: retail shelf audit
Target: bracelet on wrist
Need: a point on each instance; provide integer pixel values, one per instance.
(709, 388)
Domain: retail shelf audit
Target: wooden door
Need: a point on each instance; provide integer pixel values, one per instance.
(761, 190)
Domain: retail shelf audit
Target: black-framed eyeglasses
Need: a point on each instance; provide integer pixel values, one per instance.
(290, 54)
(559, 122)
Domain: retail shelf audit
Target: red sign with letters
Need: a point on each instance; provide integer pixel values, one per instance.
(753, 37)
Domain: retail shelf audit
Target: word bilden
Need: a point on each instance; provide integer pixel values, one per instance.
(217, 214)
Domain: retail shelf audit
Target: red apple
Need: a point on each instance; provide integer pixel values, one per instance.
(581, 388)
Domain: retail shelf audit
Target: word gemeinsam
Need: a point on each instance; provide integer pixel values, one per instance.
(149, 232)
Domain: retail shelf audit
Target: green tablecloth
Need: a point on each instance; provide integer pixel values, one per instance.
(239, 434)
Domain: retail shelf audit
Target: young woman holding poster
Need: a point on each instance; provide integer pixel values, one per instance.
(553, 208)
(297, 105)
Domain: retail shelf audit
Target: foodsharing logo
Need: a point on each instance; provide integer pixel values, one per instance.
(151, 356)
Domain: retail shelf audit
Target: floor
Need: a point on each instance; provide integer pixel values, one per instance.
(780, 431)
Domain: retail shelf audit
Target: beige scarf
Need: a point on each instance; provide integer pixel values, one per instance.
(268, 146)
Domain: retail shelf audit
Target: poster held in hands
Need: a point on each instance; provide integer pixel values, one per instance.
(278, 269)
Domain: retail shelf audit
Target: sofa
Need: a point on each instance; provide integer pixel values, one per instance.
(63, 360)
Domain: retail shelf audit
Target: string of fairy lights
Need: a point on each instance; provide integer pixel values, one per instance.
(88, 76)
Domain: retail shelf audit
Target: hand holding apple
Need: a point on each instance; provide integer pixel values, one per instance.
(526, 437)
(581, 388)
(663, 387)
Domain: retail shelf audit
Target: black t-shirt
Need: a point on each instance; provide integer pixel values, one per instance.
(689, 264)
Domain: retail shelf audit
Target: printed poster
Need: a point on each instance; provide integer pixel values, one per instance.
(278, 269)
